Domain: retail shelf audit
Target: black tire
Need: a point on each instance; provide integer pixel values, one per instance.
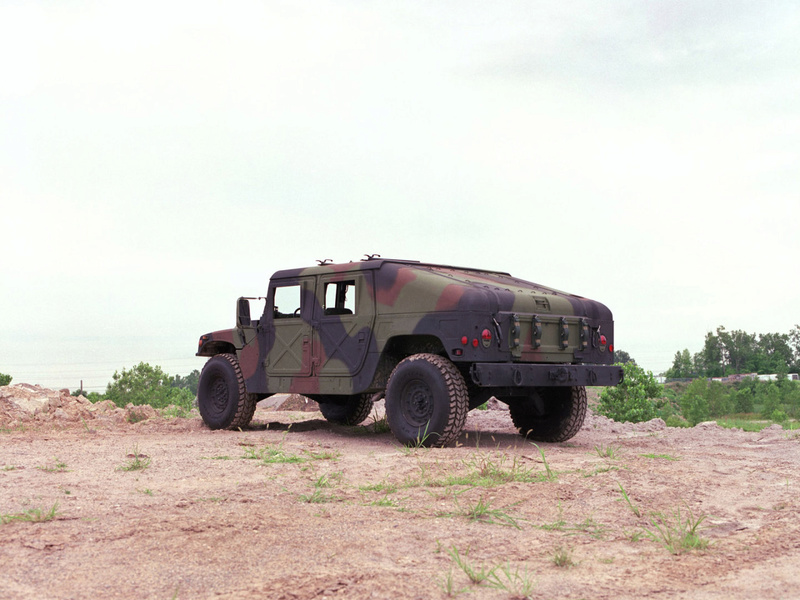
(551, 414)
(346, 410)
(426, 401)
(221, 394)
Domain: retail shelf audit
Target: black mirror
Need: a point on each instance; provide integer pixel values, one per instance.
(243, 313)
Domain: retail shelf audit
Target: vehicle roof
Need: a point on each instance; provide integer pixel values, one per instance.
(372, 263)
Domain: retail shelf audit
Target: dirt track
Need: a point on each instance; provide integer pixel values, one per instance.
(359, 517)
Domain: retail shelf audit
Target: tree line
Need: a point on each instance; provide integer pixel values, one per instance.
(734, 352)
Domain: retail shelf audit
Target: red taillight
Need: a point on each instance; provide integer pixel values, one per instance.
(486, 338)
(465, 340)
(611, 348)
(603, 340)
(475, 343)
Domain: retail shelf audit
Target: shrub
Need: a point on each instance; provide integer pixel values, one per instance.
(144, 384)
(633, 399)
(5, 379)
(779, 416)
(695, 408)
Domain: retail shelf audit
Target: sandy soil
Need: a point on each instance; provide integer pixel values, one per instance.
(356, 516)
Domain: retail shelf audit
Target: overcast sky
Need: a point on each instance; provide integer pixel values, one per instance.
(160, 159)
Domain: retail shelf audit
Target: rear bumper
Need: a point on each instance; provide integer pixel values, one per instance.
(543, 375)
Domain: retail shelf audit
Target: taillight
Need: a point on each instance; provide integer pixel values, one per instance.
(486, 338)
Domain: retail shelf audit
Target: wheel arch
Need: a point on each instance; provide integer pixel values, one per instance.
(399, 347)
(215, 347)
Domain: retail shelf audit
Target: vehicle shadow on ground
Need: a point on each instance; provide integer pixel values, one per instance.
(472, 438)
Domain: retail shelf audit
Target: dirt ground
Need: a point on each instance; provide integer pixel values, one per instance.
(296, 508)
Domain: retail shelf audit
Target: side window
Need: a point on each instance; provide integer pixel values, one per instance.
(286, 304)
(340, 298)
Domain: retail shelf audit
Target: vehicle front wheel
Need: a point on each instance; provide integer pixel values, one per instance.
(549, 414)
(346, 410)
(221, 394)
(426, 401)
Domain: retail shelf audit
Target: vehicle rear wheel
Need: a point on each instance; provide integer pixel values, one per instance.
(550, 414)
(221, 394)
(426, 401)
(346, 410)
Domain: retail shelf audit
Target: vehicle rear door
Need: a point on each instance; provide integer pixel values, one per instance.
(345, 313)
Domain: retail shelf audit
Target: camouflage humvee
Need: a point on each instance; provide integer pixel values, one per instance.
(436, 340)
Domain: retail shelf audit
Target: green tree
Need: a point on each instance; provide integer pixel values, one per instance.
(633, 399)
(770, 400)
(144, 384)
(5, 379)
(622, 357)
(794, 343)
(774, 353)
(718, 399)
(682, 366)
(190, 382)
(743, 400)
(694, 408)
(695, 400)
(709, 360)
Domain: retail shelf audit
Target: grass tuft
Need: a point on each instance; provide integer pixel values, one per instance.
(562, 558)
(33, 515)
(136, 461)
(677, 531)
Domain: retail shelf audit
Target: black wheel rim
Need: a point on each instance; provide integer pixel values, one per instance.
(218, 395)
(417, 403)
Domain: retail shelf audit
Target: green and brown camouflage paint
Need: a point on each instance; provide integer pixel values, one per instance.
(500, 331)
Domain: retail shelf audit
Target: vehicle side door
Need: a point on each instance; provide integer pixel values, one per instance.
(291, 331)
(345, 313)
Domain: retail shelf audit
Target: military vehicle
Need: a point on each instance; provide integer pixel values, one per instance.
(435, 340)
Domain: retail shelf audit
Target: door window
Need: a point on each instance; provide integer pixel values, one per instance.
(286, 303)
(340, 298)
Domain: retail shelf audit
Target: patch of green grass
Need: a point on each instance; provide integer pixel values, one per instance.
(664, 456)
(322, 454)
(483, 470)
(379, 425)
(10, 468)
(676, 530)
(136, 461)
(608, 451)
(147, 492)
(627, 499)
(385, 501)
(562, 557)
(557, 525)
(476, 574)
(176, 412)
(602, 469)
(58, 466)
(269, 455)
(32, 515)
(388, 488)
(483, 512)
(448, 586)
(743, 424)
(551, 475)
(519, 584)
(276, 454)
(223, 457)
(317, 497)
(589, 527)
